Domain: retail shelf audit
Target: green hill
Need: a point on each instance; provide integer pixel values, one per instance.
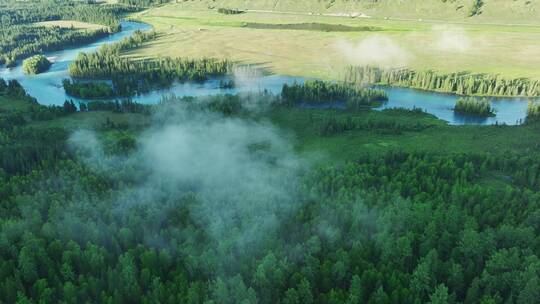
(504, 11)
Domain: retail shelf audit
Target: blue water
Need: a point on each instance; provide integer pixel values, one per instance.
(47, 88)
(510, 111)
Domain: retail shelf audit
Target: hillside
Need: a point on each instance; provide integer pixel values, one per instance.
(499, 11)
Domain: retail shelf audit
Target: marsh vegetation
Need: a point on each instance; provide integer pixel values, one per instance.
(474, 106)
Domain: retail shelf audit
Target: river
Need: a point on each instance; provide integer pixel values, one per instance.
(47, 87)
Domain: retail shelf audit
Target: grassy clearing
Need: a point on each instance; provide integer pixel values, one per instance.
(189, 32)
(71, 24)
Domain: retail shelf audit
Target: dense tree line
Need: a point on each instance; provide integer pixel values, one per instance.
(106, 61)
(321, 92)
(459, 83)
(130, 77)
(88, 89)
(20, 41)
(19, 38)
(36, 64)
(16, 12)
(474, 106)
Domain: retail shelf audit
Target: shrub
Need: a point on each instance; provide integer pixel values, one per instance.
(36, 64)
(474, 106)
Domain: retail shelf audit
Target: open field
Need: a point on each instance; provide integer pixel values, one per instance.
(321, 46)
(71, 23)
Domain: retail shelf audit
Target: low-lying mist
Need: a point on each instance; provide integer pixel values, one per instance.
(375, 50)
(451, 39)
(235, 178)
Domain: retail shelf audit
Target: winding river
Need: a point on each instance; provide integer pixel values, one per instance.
(47, 88)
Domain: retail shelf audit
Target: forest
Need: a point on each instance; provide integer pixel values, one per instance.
(458, 83)
(86, 217)
(20, 38)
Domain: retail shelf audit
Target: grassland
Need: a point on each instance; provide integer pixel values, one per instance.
(270, 40)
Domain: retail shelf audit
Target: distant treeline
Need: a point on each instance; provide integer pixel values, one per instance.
(20, 38)
(321, 92)
(130, 77)
(21, 41)
(474, 106)
(48, 10)
(462, 83)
